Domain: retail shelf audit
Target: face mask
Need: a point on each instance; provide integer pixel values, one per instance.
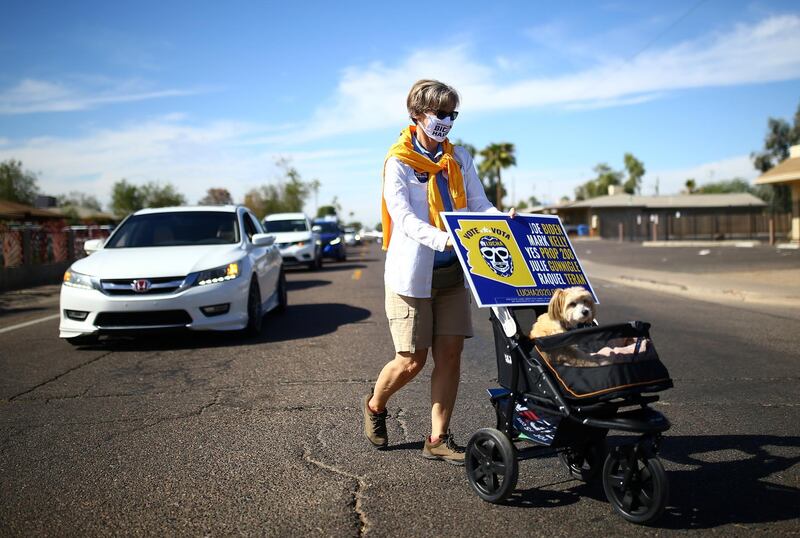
(435, 128)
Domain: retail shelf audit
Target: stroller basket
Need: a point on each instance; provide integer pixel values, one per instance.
(601, 362)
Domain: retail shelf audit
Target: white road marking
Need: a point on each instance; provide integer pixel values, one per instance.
(31, 322)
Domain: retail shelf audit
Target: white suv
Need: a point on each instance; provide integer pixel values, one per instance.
(297, 242)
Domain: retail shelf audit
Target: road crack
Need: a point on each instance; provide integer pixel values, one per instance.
(401, 419)
(357, 492)
(59, 376)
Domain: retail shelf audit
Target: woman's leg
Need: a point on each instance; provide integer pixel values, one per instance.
(444, 380)
(397, 372)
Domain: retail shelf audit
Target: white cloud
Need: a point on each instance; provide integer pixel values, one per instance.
(193, 158)
(373, 96)
(31, 95)
(673, 180)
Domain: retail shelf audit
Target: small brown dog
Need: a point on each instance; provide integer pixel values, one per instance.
(568, 309)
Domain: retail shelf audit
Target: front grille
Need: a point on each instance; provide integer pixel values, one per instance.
(142, 319)
(158, 286)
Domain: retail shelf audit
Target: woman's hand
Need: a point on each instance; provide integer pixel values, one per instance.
(512, 213)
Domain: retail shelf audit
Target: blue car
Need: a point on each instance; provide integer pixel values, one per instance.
(332, 239)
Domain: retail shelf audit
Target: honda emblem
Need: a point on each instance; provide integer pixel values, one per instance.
(140, 285)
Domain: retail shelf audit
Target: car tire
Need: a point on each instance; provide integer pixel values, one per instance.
(255, 314)
(83, 340)
(283, 296)
(316, 263)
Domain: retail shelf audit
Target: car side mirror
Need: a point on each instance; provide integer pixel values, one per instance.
(263, 240)
(93, 245)
(316, 228)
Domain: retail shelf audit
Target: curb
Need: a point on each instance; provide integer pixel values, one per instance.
(702, 289)
(736, 244)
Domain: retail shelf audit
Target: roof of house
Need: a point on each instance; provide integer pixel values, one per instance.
(786, 172)
(14, 210)
(84, 213)
(675, 201)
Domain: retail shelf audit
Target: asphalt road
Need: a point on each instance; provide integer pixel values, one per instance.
(717, 259)
(219, 435)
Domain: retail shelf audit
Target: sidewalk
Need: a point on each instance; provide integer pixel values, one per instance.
(774, 287)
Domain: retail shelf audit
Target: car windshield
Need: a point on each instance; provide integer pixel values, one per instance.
(328, 227)
(278, 226)
(176, 229)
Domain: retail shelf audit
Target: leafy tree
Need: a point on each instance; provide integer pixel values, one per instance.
(691, 186)
(288, 195)
(780, 136)
(325, 211)
(126, 198)
(216, 196)
(635, 169)
(496, 157)
(726, 186)
(606, 176)
(314, 186)
(156, 195)
(16, 184)
(77, 199)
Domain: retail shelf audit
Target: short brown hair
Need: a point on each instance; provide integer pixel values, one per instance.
(429, 95)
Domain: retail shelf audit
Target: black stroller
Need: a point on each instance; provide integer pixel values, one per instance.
(563, 393)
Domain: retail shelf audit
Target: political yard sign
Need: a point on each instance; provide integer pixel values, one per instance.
(514, 262)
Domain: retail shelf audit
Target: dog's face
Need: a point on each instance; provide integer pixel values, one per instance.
(572, 307)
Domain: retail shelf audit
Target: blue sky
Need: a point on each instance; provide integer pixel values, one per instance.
(204, 94)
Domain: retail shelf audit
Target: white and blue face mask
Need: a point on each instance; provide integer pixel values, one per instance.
(437, 129)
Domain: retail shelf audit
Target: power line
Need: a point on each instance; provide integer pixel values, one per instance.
(667, 29)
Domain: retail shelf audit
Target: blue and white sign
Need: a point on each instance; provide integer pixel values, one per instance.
(513, 262)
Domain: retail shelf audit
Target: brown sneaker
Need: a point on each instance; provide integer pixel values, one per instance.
(374, 424)
(444, 449)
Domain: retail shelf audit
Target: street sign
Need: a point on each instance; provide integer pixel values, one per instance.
(514, 262)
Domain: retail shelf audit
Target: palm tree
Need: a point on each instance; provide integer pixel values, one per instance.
(691, 185)
(495, 158)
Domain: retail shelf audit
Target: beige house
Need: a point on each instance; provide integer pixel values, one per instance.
(788, 173)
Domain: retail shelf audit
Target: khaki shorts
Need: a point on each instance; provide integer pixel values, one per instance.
(414, 321)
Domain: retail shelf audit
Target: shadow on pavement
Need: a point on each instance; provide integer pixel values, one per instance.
(341, 266)
(297, 322)
(308, 321)
(731, 482)
(411, 445)
(295, 285)
(21, 310)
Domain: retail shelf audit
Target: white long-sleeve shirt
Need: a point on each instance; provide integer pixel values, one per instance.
(409, 259)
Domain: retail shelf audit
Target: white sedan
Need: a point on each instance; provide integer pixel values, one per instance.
(199, 268)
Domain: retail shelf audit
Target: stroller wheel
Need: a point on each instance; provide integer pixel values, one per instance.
(584, 462)
(636, 486)
(491, 465)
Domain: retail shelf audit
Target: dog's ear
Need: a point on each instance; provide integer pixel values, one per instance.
(556, 307)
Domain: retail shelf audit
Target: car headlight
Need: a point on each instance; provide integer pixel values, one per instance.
(78, 280)
(336, 241)
(218, 274)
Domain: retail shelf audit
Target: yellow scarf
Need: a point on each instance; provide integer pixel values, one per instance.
(403, 149)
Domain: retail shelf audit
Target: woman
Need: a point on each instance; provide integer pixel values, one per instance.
(427, 302)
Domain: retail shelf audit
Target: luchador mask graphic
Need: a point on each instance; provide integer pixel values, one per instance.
(496, 255)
